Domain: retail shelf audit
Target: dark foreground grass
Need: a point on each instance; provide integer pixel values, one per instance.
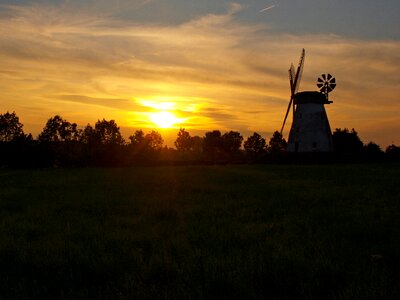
(214, 232)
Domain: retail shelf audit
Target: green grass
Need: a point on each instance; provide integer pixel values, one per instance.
(201, 232)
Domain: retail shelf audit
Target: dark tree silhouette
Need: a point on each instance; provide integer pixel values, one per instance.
(88, 135)
(212, 145)
(108, 132)
(277, 144)
(231, 142)
(153, 140)
(197, 147)
(347, 142)
(255, 146)
(16, 148)
(183, 142)
(109, 149)
(137, 138)
(392, 153)
(145, 149)
(10, 127)
(373, 151)
(59, 130)
(59, 142)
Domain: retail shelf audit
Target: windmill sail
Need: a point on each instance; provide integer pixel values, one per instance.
(294, 79)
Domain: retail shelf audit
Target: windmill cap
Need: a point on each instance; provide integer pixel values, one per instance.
(311, 97)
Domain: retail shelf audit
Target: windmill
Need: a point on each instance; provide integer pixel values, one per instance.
(310, 130)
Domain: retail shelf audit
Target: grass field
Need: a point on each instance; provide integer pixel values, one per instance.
(201, 232)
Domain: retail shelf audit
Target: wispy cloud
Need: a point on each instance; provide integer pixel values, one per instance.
(268, 8)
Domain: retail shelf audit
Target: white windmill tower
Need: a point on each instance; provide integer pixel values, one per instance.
(310, 130)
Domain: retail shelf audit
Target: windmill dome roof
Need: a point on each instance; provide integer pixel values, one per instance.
(310, 97)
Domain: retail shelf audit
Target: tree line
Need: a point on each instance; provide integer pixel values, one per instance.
(62, 143)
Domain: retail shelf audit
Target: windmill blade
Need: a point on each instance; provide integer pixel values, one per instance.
(332, 86)
(320, 85)
(287, 113)
(329, 76)
(291, 72)
(299, 71)
(320, 80)
(291, 79)
(333, 80)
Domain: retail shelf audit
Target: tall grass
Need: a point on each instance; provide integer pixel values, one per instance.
(203, 232)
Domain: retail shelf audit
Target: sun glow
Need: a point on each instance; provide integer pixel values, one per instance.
(164, 119)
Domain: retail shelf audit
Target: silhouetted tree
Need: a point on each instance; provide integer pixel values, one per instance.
(109, 150)
(88, 135)
(212, 145)
(16, 148)
(153, 140)
(197, 147)
(59, 130)
(373, 152)
(59, 144)
(392, 153)
(10, 127)
(255, 146)
(108, 132)
(231, 142)
(276, 144)
(137, 149)
(91, 144)
(184, 141)
(347, 142)
(146, 148)
(137, 138)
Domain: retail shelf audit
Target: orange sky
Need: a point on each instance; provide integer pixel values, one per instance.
(210, 72)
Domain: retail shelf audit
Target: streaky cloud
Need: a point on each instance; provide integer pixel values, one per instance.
(267, 8)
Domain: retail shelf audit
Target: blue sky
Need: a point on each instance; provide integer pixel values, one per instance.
(356, 18)
(212, 64)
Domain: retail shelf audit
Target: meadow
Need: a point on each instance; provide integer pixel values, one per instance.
(201, 232)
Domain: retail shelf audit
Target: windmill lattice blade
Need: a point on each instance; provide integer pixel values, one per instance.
(287, 112)
(292, 71)
(299, 71)
(291, 80)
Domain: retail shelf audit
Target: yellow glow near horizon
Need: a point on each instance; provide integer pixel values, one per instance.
(164, 119)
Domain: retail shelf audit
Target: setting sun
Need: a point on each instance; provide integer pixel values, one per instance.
(164, 119)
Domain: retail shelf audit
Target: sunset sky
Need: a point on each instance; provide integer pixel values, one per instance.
(201, 65)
